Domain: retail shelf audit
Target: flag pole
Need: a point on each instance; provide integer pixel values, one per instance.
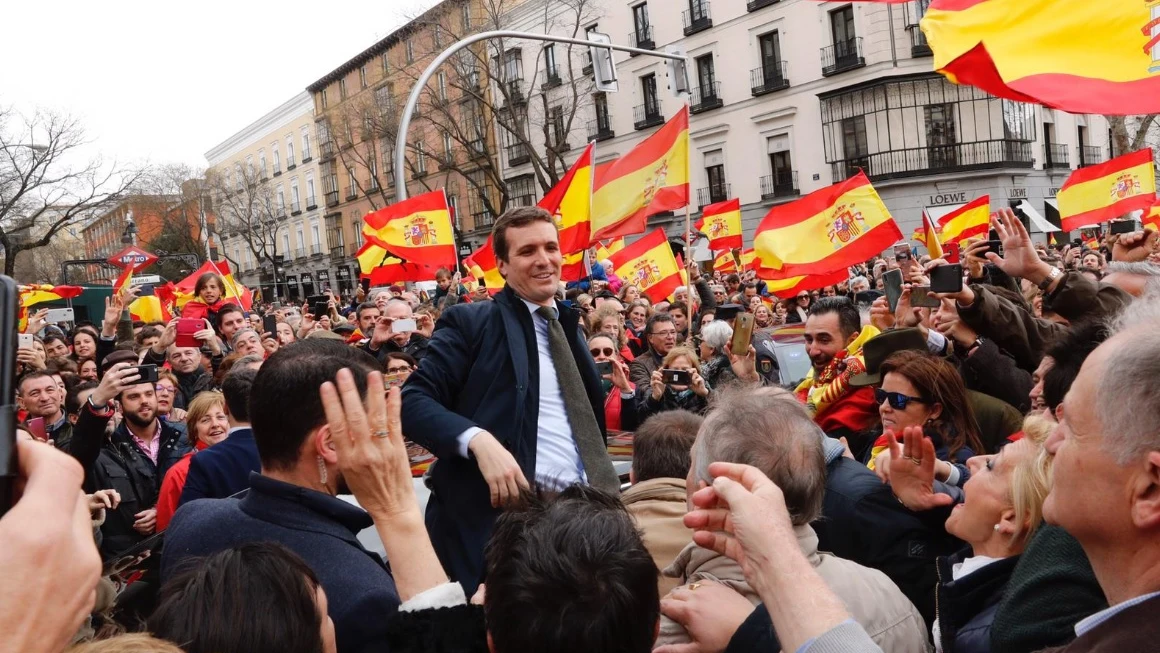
(689, 228)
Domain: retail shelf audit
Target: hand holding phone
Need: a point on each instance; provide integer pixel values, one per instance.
(892, 285)
(186, 328)
(946, 278)
(952, 253)
(677, 377)
(742, 332)
(403, 326)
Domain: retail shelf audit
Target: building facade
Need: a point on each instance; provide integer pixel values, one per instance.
(267, 190)
(790, 96)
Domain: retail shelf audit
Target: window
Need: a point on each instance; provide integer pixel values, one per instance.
(301, 238)
(854, 147)
(238, 253)
(453, 209)
(550, 70)
(420, 158)
(441, 84)
(249, 259)
(362, 76)
(294, 198)
(352, 185)
(842, 26)
(281, 201)
(305, 144)
(262, 163)
(447, 156)
(940, 135)
(250, 165)
(437, 36)
(286, 244)
(386, 64)
(310, 192)
(648, 90)
(322, 97)
(373, 167)
(717, 187)
(290, 151)
(465, 16)
(315, 236)
(409, 48)
(559, 130)
(705, 77)
(640, 25)
(781, 165)
(277, 160)
(769, 46)
(603, 120)
(342, 88)
(512, 65)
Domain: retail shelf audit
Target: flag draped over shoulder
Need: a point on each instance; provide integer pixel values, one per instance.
(649, 264)
(417, 230)
(721, 222)
(1081, 56)
(930, 237)
(484, 268)
(828, 230)
(1103, 192)
(651, 178)
(969, 220)
(183, 291)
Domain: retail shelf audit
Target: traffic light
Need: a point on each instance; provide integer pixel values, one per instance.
(603, 66)
(678, 71)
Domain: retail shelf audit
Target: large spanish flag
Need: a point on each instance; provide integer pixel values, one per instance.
(484, 267)
(1106, 191)
(786, 288)
(377, 264)
(828, 230)
(417, 230)
(1082, 56)
(649, 264)
(930, 237)
(969, 220)
(721, 222)
(570, 202)
(572, 268)
(651, 178)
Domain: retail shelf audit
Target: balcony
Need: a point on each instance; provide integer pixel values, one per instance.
(1089, 155)
(587, 70)
(518, 154)
(642, 37)
(277, 170)
(768, 79)
(327, 150)
(265, 177)
(938, 159)
(295, 208)
(842, 56)
(337, 252)
(306, 157)
(713, 194)
(316, 250)
(351, 193)
(551, 77)
(696, 18)
(783, 183)
(704, 98)
(647, 115)
(754, 5)
(515, 93)
(523, 200)
(311, 204)
(918, 45)
(1055, 155)
(300, 253)
(600, 130)
(332, 198)
(290, 165)
(482, 219)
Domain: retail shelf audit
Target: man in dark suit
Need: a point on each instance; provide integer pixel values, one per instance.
(227, 471)
(507, 392)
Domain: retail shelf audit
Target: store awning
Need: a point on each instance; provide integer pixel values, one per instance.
(1039, 223)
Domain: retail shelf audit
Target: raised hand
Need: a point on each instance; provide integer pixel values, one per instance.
(912, 465)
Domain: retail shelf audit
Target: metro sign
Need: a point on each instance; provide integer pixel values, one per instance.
(133, 257)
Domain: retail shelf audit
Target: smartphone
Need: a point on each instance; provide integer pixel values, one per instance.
(121, 561)
(37, 429)
(892, 284)
(952, 253)
(677, 377)
(604, 368)
(946, 278)
(148, 373)
(920, 297)
(1123, 226)
(901, 252)
(58, 315)
(270, 324)
(742, 334)
(186, 327)
(24, 341)
(8, 467)
(401, 326)
(320, 309)
(994, 245)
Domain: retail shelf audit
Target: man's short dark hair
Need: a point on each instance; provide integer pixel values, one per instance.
(236, 389)
(733, 278)
(51, 337)
(72, 399)
(521, 216)
(226, 309)
(146, 333)
(684, 309)
(660, 447)
(1068, 352)
(849, 321)
(29, 376)
(655, 319)
(364, 306)
(284, 402)
(570, 575)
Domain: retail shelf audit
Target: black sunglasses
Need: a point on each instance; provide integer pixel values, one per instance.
(607, 351)
(898, 401)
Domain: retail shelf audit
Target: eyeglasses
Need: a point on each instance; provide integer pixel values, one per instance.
(398, 370)
(898, 401)
(664, 334)
(161, 388)
(606, 351)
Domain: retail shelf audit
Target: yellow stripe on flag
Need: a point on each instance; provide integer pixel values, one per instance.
(570, 203)
(1106, 191)
(971, 219)
(649, 264)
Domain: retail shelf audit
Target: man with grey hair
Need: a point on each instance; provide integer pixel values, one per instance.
(774, 433)
(246, 341)
(1106, 486)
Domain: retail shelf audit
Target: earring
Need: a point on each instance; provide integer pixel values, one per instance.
(322, 474)
(996, 525)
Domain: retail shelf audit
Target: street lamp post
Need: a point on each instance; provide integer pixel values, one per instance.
(129, 236)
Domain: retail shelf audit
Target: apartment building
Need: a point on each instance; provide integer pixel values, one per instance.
(266, 185)
(789, 96)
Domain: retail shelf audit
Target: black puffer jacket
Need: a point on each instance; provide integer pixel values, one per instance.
(967, 606)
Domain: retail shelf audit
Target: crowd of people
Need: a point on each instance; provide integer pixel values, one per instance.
(414, 472)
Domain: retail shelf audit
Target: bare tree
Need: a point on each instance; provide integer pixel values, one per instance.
(45, 185)
(43, 265)
(178, 192)
(246, 206)
(1131, 133)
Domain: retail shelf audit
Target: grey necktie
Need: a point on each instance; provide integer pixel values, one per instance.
(585, 430)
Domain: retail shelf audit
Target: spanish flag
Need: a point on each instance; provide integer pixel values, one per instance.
(31, 295)
(787, 288)
(651, 178)
(484, 268)
(969, 220)
(605, 251)
(725, 263)
(930, 237)
(649, 264)
(721, 222)
(1081, 56)
(183, 291)
(417, 230)
(748, 259)
(376, 264)
(1106, 191)
(149, 308)
(123, 281)
(570, 203)
(828, 230)
(572, 268)
(1151, 217)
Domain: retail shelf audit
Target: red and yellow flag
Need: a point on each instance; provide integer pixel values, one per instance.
(483, 267)
(828, 230)
(651, 178)
(149, 308)
(232, 290)
(1106, 191)
(1076, 55)
(649, 264)
(377, 264)
(786, 288)
(969, 220)
(570, 202)
(572, 268)
(1151, 217)
(930, 237)
(123, 281)
(604, 251)
(417, 230)
(725, 263)
(721, 222)
(31, 295)
(748, 259)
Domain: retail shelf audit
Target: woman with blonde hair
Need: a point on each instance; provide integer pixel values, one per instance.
(608, 321)
(206, 425)
(664, 393)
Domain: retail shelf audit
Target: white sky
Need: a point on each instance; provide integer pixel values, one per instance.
(166, 81)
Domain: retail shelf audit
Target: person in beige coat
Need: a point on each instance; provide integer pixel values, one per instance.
(770, 431)
(657, 500)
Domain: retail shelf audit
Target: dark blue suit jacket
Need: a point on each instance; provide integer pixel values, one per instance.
(223, 470)
(481, 369)
(322, 529)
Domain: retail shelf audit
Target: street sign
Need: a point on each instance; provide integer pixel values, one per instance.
(133, 257)
(603, 67)
(146, 279)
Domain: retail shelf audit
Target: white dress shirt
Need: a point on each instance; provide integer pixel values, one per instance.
(557, 458)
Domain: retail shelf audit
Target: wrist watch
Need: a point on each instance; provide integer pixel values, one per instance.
(1051, 277)
(100, 410)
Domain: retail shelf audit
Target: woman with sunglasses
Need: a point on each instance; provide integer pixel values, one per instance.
(608, 320)
(620, 412)
(921, 390)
